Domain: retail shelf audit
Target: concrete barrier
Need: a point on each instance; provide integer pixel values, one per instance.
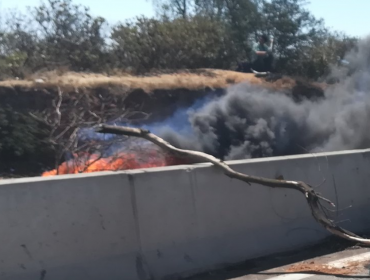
(162, 223)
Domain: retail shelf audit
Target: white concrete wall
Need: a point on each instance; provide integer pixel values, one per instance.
(163, 222)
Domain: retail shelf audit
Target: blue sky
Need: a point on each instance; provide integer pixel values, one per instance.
(349, 16)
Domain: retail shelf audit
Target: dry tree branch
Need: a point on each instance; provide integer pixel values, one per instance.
(68, 117)
(313, 199)
(67, 128)
(58, 119)
(39, 119)
(87, 165)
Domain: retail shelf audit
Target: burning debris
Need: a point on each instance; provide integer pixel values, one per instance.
(84, 163)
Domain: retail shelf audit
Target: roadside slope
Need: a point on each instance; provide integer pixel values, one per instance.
(191, 80)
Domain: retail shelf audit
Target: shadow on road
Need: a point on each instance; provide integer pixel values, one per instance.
(259, 266)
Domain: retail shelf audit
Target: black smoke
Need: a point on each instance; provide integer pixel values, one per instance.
(250, 121)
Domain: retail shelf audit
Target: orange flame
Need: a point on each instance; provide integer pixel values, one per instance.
(121, 161)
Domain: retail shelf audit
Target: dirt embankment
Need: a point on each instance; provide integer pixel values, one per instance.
(25, 147)
(159, 96)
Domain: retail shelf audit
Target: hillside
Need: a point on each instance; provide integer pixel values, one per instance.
(190, 80)
(144, 93)
(28, 107)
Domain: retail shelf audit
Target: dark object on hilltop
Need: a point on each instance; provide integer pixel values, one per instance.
(248, 67)
(272, 77)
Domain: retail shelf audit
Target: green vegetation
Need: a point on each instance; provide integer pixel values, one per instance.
(19, 135)
(187, 34)
(23, 144)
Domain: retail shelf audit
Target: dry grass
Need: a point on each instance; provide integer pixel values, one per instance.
(206, 78)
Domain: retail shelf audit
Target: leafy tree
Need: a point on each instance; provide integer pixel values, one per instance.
(186, 34)
(174, 7)
(195, 42)
(70, 34)
(294, 29)
(18, 46)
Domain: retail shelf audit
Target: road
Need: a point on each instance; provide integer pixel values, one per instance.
(351, 263)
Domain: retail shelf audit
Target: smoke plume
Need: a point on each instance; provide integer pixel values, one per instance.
(253, 122)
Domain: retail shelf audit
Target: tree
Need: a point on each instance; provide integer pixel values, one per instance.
(294, 28)
(195, 42)
(176, 7)
(242, 20)
(70, 34)
(316, 60)
(187, 34)
(238, 16)
(297, 32)
(19, 46)
(212, 8)
(68, 118)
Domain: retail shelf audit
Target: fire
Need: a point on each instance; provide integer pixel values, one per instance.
(121, 161)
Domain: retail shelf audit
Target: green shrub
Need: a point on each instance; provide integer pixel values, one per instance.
(196, 42)
(21, 137)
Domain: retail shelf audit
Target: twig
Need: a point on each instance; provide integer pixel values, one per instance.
(57, 107)
(56, 124)
(39, 119)
(313, 199)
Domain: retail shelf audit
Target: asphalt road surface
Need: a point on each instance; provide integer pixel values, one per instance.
(313, 264)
